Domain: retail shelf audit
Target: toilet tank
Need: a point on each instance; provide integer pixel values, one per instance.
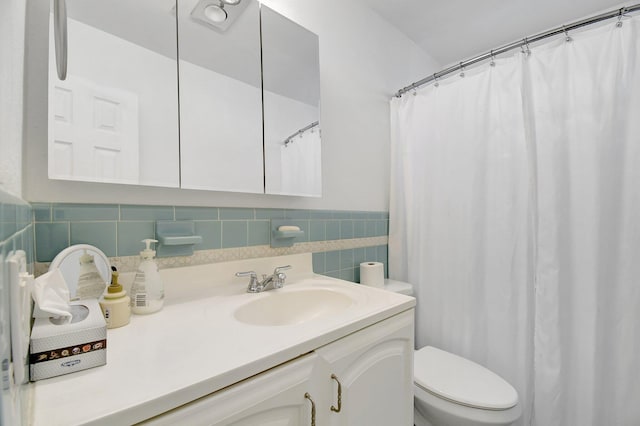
(398, 287)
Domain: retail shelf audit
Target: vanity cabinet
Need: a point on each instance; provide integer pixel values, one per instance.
(375, 370)
(365, 378)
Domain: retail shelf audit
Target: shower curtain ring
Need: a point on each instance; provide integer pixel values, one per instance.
(493, 59)
(567, 37)
(525, 43)
(621, 13)
(435, 78)
(461, 70)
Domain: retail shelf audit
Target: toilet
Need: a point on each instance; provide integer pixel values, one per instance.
(450, 390)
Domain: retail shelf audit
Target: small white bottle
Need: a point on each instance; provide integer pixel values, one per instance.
(91, 285)
(115, 304)
(147, 291)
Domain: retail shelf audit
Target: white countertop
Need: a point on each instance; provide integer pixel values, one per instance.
(195, 346)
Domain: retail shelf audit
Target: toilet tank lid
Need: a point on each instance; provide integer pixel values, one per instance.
(398, 287)
(461, 381)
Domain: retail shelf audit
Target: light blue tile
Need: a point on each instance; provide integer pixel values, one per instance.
(318, 262)
(304, 226)
(370, 228)
(7, 229)
(371, 254)
(316, 230)
(359, 256)
(320, 214)
(333, 230)
(382, 254)
(211, 233)
(23, 215)
(333, 274)
(234, 234)
(332, 261)
(346, 274)
(270, 214)
(297, 214)
(346, 258)
(131, 234)
(259, 232)
(134, 212)
(356, 274)
(341, 214)
(346, 229)
(84, 212)
(381, 228)
(197, 213)
(51, 238)
(374, 215)
(385, 215)
(359, 230)
(8, 212)
(359, 215)
(236, 214)
(98, 234)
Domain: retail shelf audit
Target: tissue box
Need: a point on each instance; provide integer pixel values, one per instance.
(58, 349)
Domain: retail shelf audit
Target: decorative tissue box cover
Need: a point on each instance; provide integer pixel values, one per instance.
(58, 349)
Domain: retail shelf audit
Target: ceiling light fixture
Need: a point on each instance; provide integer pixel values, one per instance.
(215, 13)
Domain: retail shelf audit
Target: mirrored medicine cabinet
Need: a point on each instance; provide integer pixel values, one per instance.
(219, 95)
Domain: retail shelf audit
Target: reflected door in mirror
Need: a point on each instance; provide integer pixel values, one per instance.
(114, 118)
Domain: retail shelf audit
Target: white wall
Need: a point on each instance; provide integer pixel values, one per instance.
(12, 21)
(363, 61)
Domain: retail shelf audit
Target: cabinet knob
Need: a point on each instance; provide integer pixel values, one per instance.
(313, 408)
(334, 409)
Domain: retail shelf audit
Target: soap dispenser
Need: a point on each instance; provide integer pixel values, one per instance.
(91, 285)
(115, 304)
(147, 291)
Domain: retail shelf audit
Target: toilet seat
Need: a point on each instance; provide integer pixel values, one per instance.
(461, 381)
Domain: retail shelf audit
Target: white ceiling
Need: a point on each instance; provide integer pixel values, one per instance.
(453, 30)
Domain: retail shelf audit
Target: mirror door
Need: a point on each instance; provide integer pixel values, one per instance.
(291, 76)
(114, 116)
(220, 95)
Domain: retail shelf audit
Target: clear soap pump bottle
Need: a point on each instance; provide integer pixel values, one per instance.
(147, 291)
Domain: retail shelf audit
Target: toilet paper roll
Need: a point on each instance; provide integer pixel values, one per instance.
(372, 274)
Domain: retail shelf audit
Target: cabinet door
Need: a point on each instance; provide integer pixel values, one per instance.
(375, 370)
(273, 398)
(114, 118)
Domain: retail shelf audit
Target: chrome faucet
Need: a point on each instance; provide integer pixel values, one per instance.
(275, 280)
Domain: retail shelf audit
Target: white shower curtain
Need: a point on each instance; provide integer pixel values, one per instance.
(301, 166)
(514, 194)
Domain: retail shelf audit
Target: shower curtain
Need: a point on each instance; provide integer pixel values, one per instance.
(301, 166)
(515, 212)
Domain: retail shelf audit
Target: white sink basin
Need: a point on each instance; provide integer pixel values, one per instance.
(292, 307)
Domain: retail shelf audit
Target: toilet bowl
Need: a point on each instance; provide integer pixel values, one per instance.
(453, 391)
(450, 390)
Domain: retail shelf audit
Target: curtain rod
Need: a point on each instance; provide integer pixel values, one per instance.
(287, 141)
(524, 42)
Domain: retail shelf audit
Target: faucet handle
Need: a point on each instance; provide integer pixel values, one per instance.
(253, 286)
(281, 268)
(251, 274)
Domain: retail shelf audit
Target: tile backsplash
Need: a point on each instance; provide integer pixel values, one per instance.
(16, 229)
(118, 229)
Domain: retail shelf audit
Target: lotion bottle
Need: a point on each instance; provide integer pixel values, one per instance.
(147, 291)
(91, 285)
(115, 304)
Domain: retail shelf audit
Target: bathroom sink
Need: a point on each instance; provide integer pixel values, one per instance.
(292, 307)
